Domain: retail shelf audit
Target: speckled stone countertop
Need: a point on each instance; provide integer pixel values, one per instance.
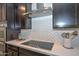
(57, 48)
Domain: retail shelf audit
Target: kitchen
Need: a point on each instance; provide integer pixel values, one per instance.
(30, 35)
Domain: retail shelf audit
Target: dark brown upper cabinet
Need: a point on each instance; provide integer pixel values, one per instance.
(77, 14)
(15, 15)
(16, 20)
(65, 15)
(13, 24)
(25, 19)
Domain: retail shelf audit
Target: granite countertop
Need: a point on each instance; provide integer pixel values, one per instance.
(57, 48)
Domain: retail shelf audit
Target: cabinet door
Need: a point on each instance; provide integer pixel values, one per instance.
(24, 52)
(77, 12)
(11, 50)
(25, 20)
(10, 15)
(0, 12)
(63, 14)
(13, 26)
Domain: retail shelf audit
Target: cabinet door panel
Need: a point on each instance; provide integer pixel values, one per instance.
(25, 20)
(10, 15)
(13, 26)
(11, 50)
(78, 14)
(24, 52)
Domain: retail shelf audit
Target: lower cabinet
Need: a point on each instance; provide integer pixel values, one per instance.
(24, 52)
(16, 51)
(11, 50)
